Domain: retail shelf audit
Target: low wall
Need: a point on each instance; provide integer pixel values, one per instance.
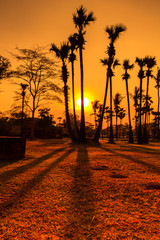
(12, 148)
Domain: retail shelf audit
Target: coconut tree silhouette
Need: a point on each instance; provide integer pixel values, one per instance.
(150, 62)
(127, 66)
(72, 57)
(136, 98)
(62, 53)
(117, 100)
(121, 115)
(81, 19)
(111, 138)
(157, 78)
(23, 86)
(95, 106)
(113, 33)
(141, 63)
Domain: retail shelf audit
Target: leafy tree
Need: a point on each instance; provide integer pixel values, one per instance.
(38, 71)
(62, 53)
(127, 66)
(81, 19)
(113, 33)
(4, 67)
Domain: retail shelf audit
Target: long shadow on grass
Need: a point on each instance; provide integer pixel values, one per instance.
(150, 166)
(21, 169)
(83, 212)
(18, 196)
(141, 148)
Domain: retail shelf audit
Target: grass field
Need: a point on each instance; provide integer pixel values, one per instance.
(69, 191)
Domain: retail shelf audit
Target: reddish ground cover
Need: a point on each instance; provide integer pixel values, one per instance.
(67, 191)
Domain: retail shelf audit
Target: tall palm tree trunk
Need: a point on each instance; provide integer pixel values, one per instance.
(98, 130)
(82, 127)
(67, 113)
(116, 127)
(73, 96)
(158, 115)
(140, 114)
(129, 116)
(111, 140)
(145, 134)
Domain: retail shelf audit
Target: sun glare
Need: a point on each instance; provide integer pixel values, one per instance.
(86, 102)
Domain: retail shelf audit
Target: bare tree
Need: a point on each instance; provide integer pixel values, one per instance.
(38, 71)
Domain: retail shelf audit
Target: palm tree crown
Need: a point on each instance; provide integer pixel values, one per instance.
(114, 31)
(61, 52)
(81, 19)
(150, 62)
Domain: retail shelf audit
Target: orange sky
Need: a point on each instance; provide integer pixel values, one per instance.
(25, 23)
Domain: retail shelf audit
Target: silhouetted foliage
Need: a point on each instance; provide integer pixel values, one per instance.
(113, 33)
(141, 74)
(117, 100)
(127, 66)
(81, 19)
(157, 78)
(150, 62)
(38, 71)
(72, 57)
(4, 67)
(63, 53)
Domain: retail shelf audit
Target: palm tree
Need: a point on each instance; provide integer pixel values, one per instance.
(23, 86)
(136, 98)
(121, 115)
(113, 34)
(62, 53)
(115, 63)
(107, 118)
(95, 105)
(141, 75)
(157, 78)
(72, 58)
(117, 100)
(150, 62)
(81, 19)
(127, 66)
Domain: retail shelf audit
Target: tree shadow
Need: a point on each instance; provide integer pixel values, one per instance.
(142, 148)
(21, 169)
(19, 195)
(6, 162)
(150, 166)
(83, 210)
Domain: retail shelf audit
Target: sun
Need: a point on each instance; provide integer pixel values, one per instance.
(86, 102)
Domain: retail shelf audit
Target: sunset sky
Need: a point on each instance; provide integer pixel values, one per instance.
(27, 23)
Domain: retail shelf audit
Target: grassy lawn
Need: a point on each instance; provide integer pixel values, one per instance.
(67, 191)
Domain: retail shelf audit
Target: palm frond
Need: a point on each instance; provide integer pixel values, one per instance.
(127, 65)
(104, 61)
(150, 61)
(116, 63)
(55, 49)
